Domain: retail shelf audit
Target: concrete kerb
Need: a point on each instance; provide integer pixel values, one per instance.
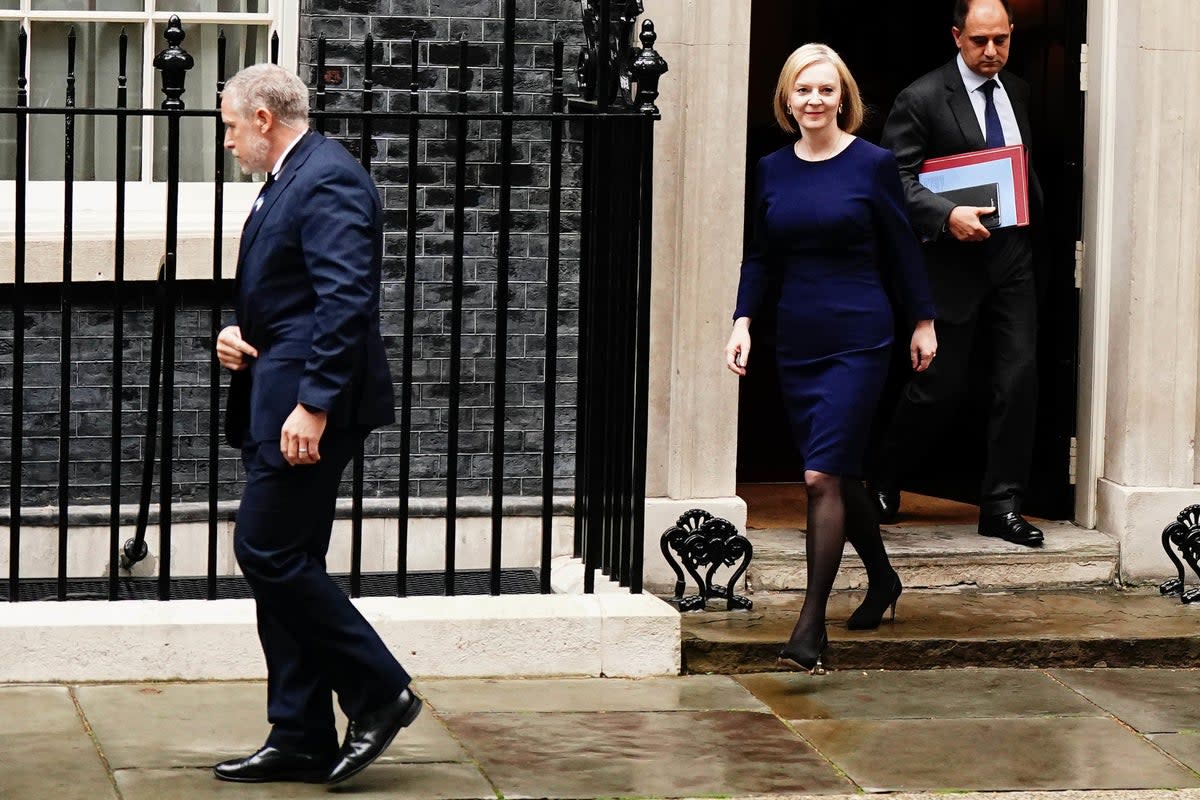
(614, 634)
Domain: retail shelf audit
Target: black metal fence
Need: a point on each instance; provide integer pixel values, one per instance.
(614, 121)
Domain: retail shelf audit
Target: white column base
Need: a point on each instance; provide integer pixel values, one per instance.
(1136, 515)
(661, 513)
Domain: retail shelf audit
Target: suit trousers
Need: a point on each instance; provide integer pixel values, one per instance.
(315, 641)
(993, 292)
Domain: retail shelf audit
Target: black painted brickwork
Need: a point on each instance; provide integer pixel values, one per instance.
(345, 23)
(439, 24)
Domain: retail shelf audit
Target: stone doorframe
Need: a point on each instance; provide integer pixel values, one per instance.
(1140, 328)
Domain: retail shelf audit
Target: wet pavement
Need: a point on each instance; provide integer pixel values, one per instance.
(1044, 733)
(1085, 627)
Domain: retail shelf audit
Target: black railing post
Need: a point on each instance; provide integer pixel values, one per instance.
(173, 62)
(65, 309)
(215, 371)
(356, 485)
(647, 68)
(410, 305)
(456, 315)
(584, 389)
(320, 93)
(500, 382)
(550, 400)
(118, 382)
(16, 461)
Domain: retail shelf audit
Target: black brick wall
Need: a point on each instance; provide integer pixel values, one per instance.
(345, 23)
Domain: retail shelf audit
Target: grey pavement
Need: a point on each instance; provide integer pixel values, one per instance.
(1069, 734)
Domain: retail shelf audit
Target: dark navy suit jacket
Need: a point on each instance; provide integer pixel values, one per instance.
(308, 299)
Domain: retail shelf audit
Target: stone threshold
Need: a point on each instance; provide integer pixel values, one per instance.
(1083, 627)
(948, 556)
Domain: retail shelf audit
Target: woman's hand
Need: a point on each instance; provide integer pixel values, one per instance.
(737, 351)
(923, 346)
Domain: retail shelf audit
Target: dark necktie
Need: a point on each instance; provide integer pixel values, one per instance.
(262, 194)
(991, 118)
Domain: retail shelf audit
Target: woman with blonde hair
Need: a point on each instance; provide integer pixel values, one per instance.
(829, 228)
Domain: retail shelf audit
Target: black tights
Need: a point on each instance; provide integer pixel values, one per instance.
(839, 508)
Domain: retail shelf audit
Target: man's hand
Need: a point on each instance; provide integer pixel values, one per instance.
(300, 437)
(964, 223)
(232, 350)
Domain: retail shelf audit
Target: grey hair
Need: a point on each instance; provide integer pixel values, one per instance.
(271, 87)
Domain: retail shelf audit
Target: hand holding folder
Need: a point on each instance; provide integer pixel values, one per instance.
(997, 178)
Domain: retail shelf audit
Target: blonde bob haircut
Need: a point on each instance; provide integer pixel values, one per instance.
(850, 118)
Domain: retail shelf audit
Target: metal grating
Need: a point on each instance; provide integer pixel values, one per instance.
(374, 584)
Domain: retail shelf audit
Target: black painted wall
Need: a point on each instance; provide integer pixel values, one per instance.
(345, 23)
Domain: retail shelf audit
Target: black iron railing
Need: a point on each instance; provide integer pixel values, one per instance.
(615, 126)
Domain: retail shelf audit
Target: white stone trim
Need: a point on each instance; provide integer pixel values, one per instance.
(1136, 515)
(1098, 215)
(615, 635)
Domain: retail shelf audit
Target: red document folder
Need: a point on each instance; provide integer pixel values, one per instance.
(986, 166)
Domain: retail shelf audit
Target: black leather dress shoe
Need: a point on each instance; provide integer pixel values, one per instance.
(370, 733)
(887, 504)
(1011, 527)
(272, 764)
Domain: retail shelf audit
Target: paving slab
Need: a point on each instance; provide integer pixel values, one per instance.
(1185, 747)
(392, 782)
(994, 754)
(45, 752)
(1022, 629)
(1123, 794)
(199, 724)
(1151, 701)
(692, 693)
(643, 754)
(936, 694)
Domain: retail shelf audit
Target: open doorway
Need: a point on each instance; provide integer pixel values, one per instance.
(887, 47)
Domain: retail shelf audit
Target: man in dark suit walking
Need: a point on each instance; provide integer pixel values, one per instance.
(981, 279)
(310, 379)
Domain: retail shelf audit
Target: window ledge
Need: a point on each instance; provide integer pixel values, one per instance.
(94, 230)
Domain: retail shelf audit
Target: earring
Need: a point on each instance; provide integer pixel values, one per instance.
(839, 109)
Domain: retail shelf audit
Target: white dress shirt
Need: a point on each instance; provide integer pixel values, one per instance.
(1008, 119)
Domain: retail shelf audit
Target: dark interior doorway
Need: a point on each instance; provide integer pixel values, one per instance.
(887, 46)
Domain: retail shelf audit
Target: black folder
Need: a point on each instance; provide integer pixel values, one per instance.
(983, 196)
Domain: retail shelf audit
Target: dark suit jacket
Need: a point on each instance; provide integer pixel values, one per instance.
(933, 117)
(308, 299)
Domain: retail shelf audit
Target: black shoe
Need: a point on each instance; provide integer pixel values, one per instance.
(371, 733)
(272, 764)
(887, 503)
(868, 615)
(805, 656)
(1010, 527)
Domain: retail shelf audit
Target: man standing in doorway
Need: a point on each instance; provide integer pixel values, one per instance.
(982, 280)
(310, 379)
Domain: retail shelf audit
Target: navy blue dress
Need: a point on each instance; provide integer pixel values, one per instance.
(827, 233)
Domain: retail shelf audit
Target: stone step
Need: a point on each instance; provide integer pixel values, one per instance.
(949, 555)
(1083, 627)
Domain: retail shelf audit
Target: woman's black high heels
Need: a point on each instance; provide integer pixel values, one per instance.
(805, 656)
(868, 615)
